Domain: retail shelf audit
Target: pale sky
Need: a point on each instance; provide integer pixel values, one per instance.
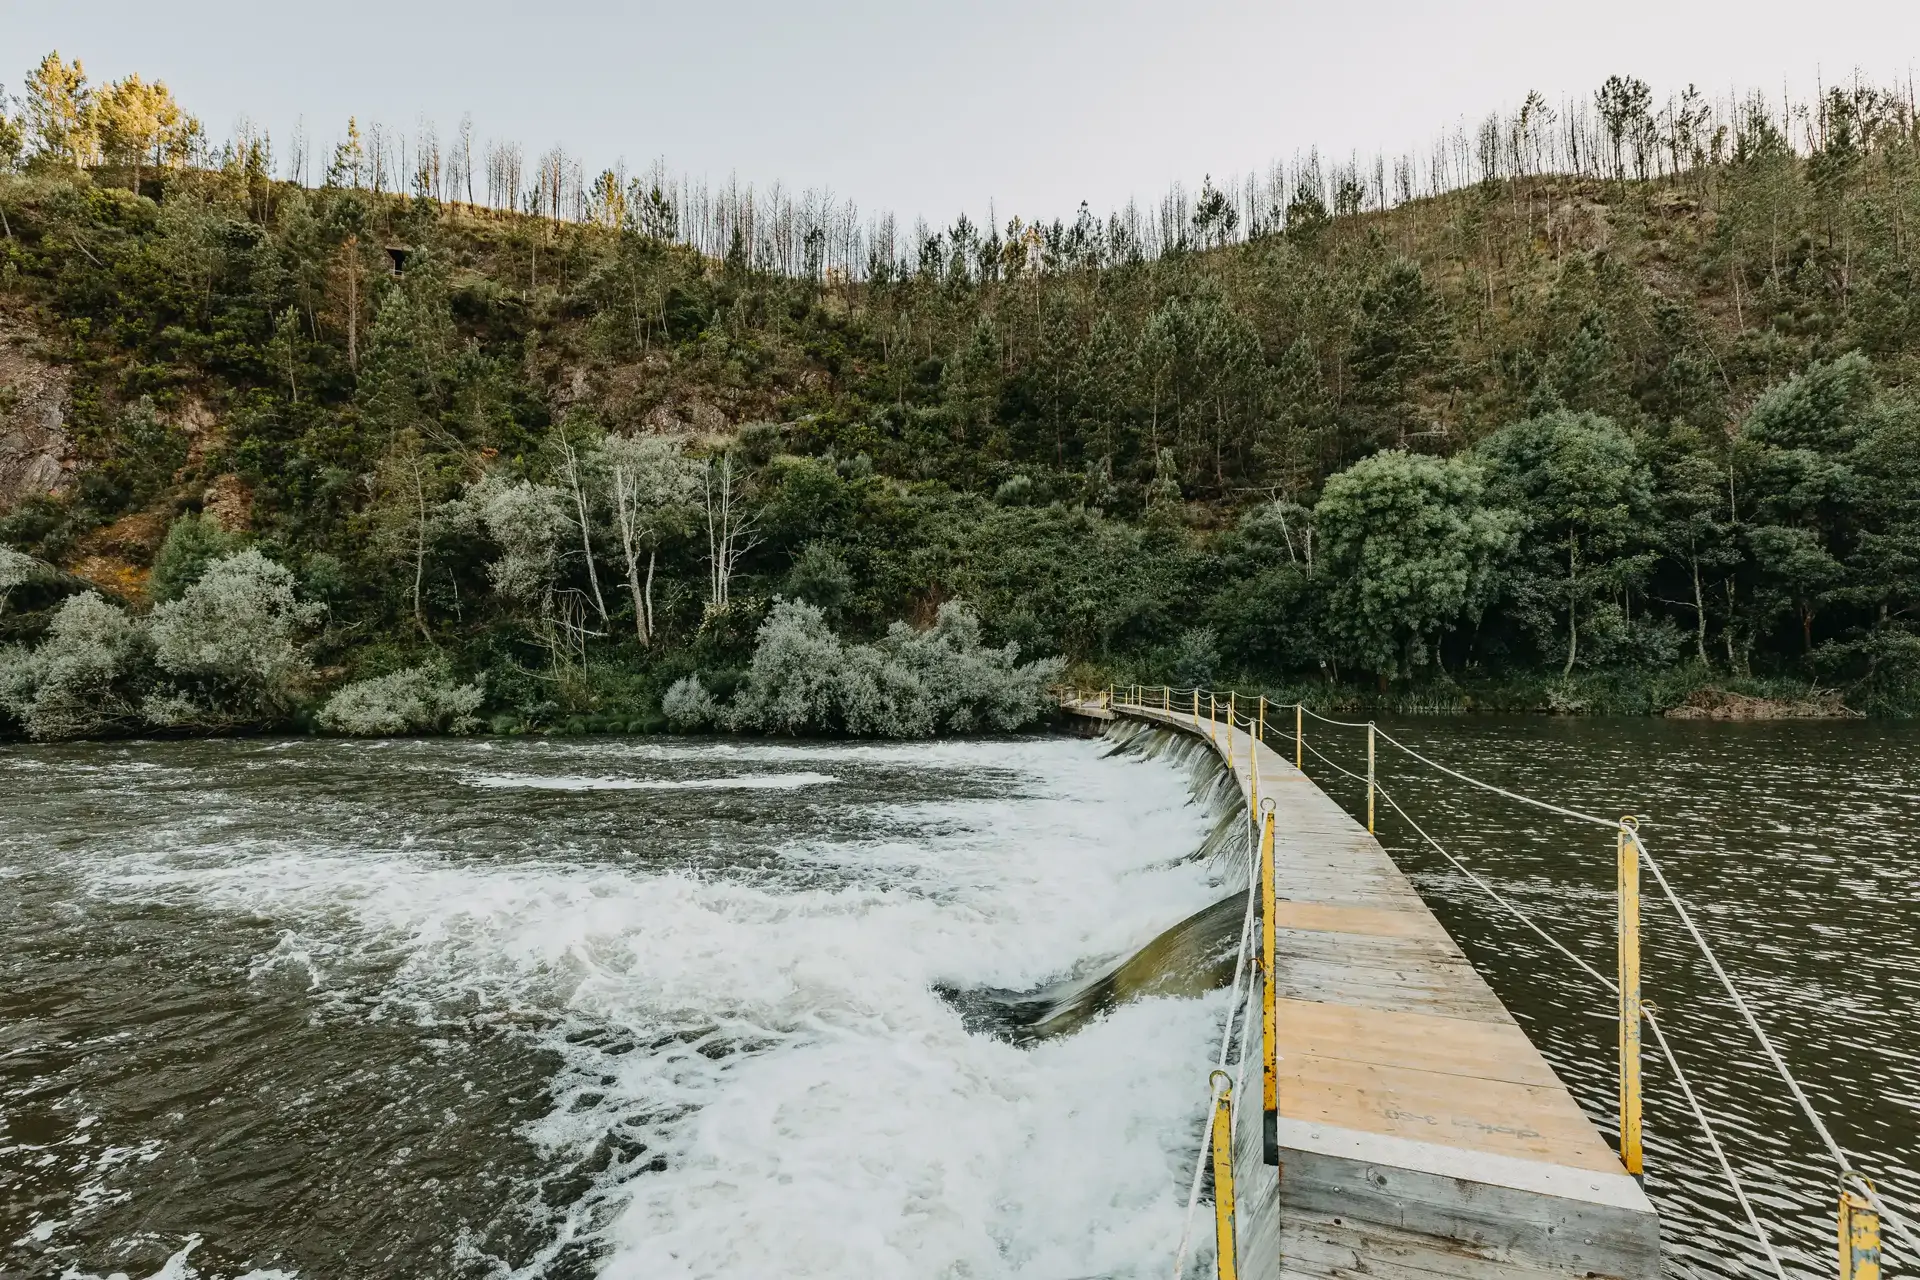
(934, 109)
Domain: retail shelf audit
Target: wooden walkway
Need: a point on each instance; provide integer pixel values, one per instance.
(1421, 1132)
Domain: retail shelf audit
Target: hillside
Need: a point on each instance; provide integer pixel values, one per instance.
(1564, 441)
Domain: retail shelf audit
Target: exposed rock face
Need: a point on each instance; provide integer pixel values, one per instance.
(35, 451)
(229, 501)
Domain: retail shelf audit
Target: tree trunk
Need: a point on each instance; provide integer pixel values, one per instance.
(623, 504)
(353, 304)
(419, 551)
(1699, 613)
(1573, 625)
(651, 555)
(1727, 635)
(586, 528)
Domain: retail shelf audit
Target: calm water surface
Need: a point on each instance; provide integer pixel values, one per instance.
(1796, 848)
(630, 1008)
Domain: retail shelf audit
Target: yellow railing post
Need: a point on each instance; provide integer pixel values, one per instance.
(1859, 1237)
(1166, 697)
(1230, 724)
(1299, 737)
(1260, 731)
(1196, 708)
(1269, 1015)
(1628, 856)
(1213, 718)
(1369, 776)
(1253, 772)
(1223, 1177)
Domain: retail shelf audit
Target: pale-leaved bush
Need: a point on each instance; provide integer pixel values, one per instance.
(16, 570)
(85, 678)
(911, 684)
(688, 705)
(233, 644)
(412, 700)
(526, 521)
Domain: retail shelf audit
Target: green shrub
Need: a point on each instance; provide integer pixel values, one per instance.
(412, 700)
(910, 684)
(87, 676)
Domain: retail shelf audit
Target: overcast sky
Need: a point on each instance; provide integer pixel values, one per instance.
(933, 109)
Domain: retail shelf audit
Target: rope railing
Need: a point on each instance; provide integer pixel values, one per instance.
(1666, 1050)
(1862, 1207)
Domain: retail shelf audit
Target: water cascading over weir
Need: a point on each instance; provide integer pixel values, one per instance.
(1383, 1114)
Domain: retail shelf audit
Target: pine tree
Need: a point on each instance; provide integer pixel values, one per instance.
(60, 112)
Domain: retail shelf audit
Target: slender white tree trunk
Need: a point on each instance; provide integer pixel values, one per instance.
(625, 502)
(586, 527)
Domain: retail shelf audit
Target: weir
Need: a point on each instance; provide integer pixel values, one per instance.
(1418, 1131)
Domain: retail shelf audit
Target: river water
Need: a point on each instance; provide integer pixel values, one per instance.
(582, 1007)
(1796, 848)
(652, 1009)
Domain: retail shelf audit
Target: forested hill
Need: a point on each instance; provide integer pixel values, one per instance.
(1572, 441)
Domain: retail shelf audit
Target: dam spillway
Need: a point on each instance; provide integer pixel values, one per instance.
(1420, 1132)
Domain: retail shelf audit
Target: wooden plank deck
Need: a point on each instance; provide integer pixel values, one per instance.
(1421, 1133)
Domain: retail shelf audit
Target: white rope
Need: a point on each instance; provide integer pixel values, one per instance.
(1834, 1149)
(1488, 786)
(1673, 1063)
(1226, 1043)
(1713, 1140)
(1344, 724)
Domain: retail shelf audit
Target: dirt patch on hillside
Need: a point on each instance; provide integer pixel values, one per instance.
(119, 556)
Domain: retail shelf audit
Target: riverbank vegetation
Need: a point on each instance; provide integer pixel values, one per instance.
(1619, 407)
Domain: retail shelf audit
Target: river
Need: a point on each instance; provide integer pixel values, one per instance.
(648, 1008)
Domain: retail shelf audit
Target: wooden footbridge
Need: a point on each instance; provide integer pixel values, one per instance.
(1408, 1128)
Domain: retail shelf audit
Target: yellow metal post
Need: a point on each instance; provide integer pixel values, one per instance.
(1859, 1238)
(1213, 718)
(1196, 708)
(1299, 738)
(1269, 1015)
(1369, 776)
(1223, 1178)
(1166, 697)
(1260, 730)
(1253, 764)
(1630, 1010)
(1230, 724)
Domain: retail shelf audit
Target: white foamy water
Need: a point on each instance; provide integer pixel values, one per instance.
(761, 1042)
(741, 782)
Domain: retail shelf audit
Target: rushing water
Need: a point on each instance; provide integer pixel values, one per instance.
(587, 1007)
(1796, 848)
(642, 1009)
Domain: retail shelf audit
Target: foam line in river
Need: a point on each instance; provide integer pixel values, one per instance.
(732, 782)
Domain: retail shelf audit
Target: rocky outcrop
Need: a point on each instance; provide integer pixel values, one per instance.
(36, 454)
(1723, 704)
